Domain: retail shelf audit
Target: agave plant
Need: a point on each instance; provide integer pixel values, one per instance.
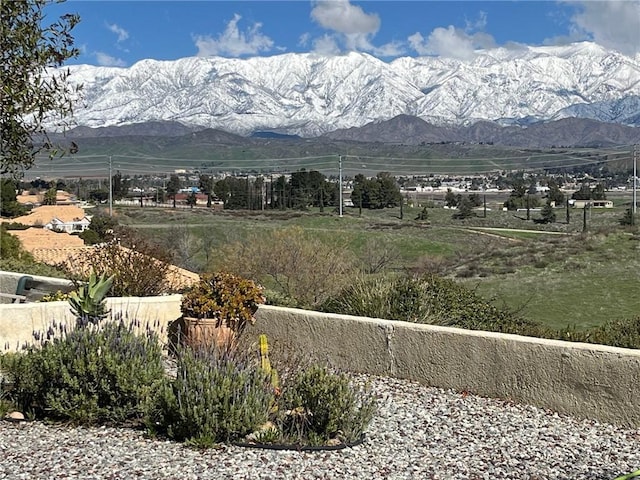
(629, 476)
(88, 303)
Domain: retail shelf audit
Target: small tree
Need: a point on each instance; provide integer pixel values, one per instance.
(465, 209)
(9, 206)
(192, 199)
(206, 185)
(450, 199)
(423, 215)
(628, 218)
(173, 187)
(50, 197)
(101, 229)
(32, 95)
(548, 215)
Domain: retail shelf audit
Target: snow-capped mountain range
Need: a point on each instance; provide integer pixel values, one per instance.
(310, 94)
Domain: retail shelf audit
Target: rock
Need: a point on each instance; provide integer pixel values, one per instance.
(14, 417)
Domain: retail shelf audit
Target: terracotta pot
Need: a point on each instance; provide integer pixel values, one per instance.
(206, 332)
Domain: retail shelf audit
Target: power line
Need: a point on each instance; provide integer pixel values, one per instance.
(139, 164)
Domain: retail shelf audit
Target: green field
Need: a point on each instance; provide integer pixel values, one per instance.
(554, 274)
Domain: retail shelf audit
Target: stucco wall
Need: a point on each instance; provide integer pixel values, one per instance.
(589, 381)
(584, 380)
(19, 321)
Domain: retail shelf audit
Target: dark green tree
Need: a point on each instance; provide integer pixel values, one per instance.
(584, 193)
(101, 229)
(450, 199)
(30, 95)
(100, 195)
(222, 189)
(555, 195)
(192, 199)
(9, 206)
(50, 196)
(628, 218)
(475, 200)
(598, 192)
(120, 186)
(389, 190)
(206, 186)
(465, 209)
(173, 187)
(548, 215)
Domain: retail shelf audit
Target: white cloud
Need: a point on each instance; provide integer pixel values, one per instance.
(611, 23)
(233, 42)
(391, 49)
(342, 17)
(445, 42)
(119, 31)
(351, 27)
(454, 42)
(304, 39)
(479, 24)
(106, 60)
(326, 45)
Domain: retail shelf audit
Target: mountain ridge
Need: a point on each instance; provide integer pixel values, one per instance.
(310, 95)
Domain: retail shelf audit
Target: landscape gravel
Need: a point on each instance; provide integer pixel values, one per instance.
(418, 433)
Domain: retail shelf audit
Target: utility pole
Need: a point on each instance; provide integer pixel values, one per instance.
(635, 179)
(110, 189)
(340, 181)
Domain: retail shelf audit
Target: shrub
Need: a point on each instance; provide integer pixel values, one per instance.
(89, 375)
(427, 299)
(304, 269)
(318, 407)
(140, 271)
(617, 333)
(230, 299)
(215, 397)
(10, 246)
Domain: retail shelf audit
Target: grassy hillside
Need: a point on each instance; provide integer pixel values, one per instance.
(553, 274)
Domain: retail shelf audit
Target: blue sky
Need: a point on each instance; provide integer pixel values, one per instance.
(119, 33)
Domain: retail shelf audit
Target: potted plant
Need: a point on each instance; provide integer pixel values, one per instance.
(218, 308)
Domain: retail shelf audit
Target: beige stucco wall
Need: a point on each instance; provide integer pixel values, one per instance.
(19, 321)
(584, 380)
(588, 381)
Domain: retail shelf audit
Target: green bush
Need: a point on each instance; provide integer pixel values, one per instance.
(427, 299)
(617, 333)
(88, 376)
(215, 397)
(318, 407)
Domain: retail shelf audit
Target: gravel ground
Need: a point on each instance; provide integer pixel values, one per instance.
(418, 433)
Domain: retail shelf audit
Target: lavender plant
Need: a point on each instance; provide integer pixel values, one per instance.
(217, 396)
(92, 375)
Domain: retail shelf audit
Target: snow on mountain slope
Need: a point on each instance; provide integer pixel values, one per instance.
(310, 94)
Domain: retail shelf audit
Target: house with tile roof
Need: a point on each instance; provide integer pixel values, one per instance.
(55, 249)
(60, 218)
(35, 199)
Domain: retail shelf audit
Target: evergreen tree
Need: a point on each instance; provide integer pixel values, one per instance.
(548, 215)
(173, 187)
(465, 209)
(30, 95)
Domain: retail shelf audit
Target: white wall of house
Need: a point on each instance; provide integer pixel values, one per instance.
(75, 226)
